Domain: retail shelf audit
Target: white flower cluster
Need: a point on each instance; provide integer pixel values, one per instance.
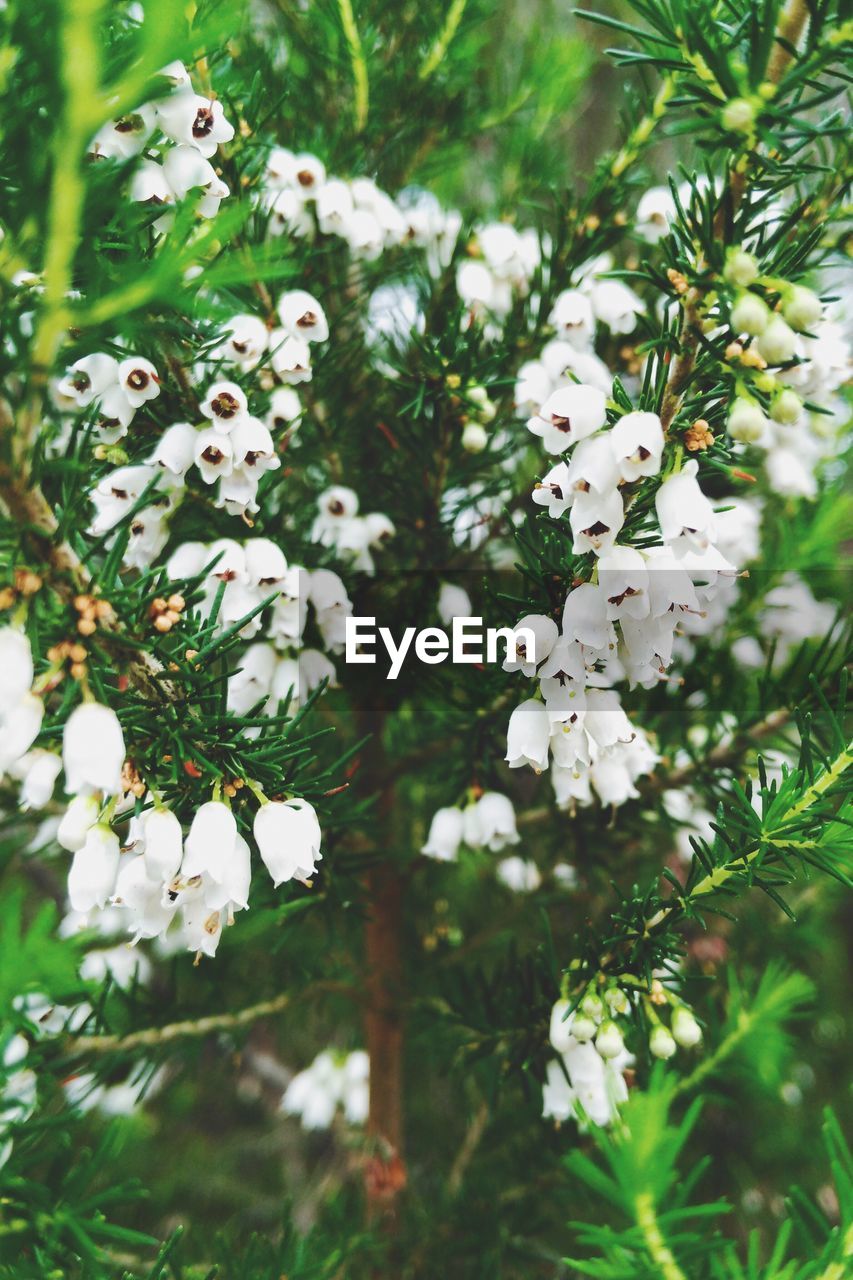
(500, 268)
(157, 875)
(117, 388)
(18, 1090)
(353, 537)
(586, 1082)
(332, 1081)
(179, 135)
(302, 200)
(486, 823)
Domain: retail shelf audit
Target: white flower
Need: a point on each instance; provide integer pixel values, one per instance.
(225, 404)
(188, 118)
(496, 820)
(585, 616)
(288, 837)
(290, 357)
(624, 579)
(655, 212)
(163, 847)
(545, 634)
(355, 1086)
(615, 305)
(202, 927)
(528, 736)
(569, 415)
(553, 491)
(314, 668)
(246, 341)
(16, 667)
(151, 910)
(558, 1097)
(116, 493)
(126, 136)
(89, 378)
(334, 207)
(79, 817)
(138, 380)
(560, 1032)
(637, 443)
(683, 511)
(185, 170)
(149, 185)
(309, 173)
(590, 1082)
(175, 450)
(453, 602)
(302, 316)
(40, 770)
(519, 874)
(92, 877)
(210, 842)
(596, 521)
(93, 750)
(789, 475)
(445, 835)
(288, 214)
(214, 454)
(572, 317)
(285, 408)
(364, 235)
(592, 466)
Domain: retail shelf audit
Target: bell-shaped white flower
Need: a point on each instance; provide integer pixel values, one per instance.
(202, 926)
(528, 736)
(92, 877)
(285, 409)
(683, 511)
(592, 467)
(637, 444)
(214, 454)
(596, 521)
(615, 305)
(623, 577)
(150, 911)
(554, 492)
(80, 815)
(225, 404)
(189, 119)
(233, 892)
(138, 380)
(364, 235)
(334, 206)
(314, 668)
(532, 388)
(163, 844)
(246, 341)
(545, 633)
(655, 212)
(16, 667)
(290, 357)
(302, 316)
(573, 318)
(568, 415)
(209, 846)
(19, 728)
(186, 170)
(89, 378)
(558, 1096)
(521, 875)
(445, 834)
(175, 450)
(496, 818)
(288, 837)
(605, 720)
(93, 750)
(252, 682)
(560, 1030)
(39, 770)
(453, 602)
(585, 616)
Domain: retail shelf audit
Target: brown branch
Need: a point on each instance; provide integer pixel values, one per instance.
(791, 27)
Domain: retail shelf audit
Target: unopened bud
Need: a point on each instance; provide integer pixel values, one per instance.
(609, 1042)
(661, 1043)
(738, 116)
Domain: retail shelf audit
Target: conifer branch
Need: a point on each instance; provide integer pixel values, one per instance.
(436, 54)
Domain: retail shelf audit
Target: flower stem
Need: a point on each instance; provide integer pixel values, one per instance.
(359, 63)
(656, 1247)
(443, 40)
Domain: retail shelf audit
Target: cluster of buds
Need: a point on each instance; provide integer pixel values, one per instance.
(131, 782)
(698, 437)
(683, 1031)
(71, 652)
(477, 411)
(24, 583)
(92, 613)
(231, 788)
(165, 613)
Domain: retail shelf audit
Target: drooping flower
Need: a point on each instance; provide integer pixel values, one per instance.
(93, 750)
(288, 836)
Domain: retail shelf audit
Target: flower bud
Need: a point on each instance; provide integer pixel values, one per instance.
(474, 438)
(583, 1028)
(738, 116)
(750, 314)
(609, 1042)
(746, 422)
(802, 308)
(741, 268)
(787, 407)
(778, 342)
(592, 1006)
(661, 1042)
(617, 1000)
(93, 749)
(685, 1029)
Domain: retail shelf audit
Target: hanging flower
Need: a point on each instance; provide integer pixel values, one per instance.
(93, 750)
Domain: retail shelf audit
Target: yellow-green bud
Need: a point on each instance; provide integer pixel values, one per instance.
(474, 438)
(738, 116)
(746, 422)
(741, 268)
(778, 342)
(787, 407)
(750, 314)
(802, 308)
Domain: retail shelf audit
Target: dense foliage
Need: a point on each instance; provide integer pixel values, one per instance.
(526, 967)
